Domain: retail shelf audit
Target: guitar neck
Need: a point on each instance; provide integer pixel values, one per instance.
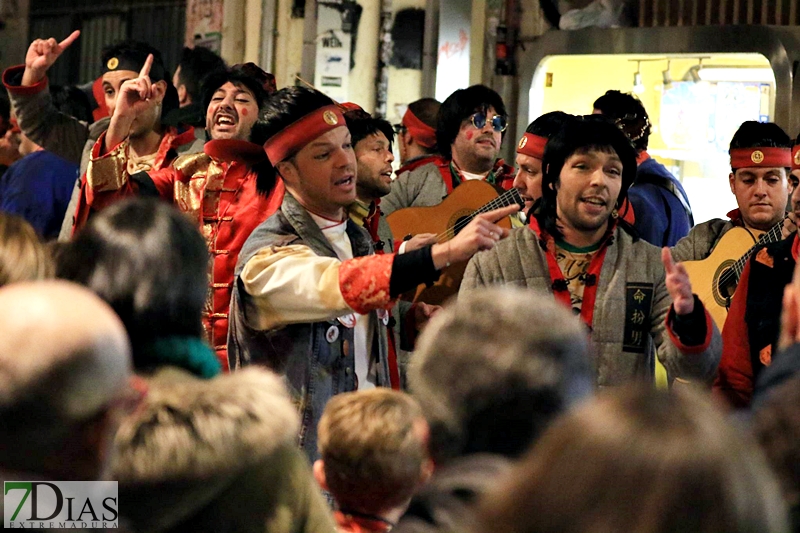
(510, 197)
(773, 235)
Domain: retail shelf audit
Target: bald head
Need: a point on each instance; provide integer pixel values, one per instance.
(64, 358)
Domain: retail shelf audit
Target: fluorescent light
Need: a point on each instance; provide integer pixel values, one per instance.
(751, 74)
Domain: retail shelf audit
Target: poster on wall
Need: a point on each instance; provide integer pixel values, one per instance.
(204, 24)
(332, 67)
(452, 67)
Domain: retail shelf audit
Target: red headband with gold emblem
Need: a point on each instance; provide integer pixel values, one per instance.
(796, 157)
(301, 132)
(761, 157)
(532, 145)
(422, 133)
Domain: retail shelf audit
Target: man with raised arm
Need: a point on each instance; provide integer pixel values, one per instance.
(151, 147)
(225, 189)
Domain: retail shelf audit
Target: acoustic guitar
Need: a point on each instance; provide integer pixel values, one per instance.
(715, 278)
(469, 199)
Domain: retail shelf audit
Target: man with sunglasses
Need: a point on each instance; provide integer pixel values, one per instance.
(661, 210)
(471, 124)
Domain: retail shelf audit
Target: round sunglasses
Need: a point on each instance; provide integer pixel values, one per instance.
(499, 122)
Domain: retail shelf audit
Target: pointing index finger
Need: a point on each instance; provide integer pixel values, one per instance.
(146, 67)
(500, 213)
(69, 40)
(666, 258)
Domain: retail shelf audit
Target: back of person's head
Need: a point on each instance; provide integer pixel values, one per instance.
(628, 112)
(72, 101)
(576, 136)
(373, 449)
(426, 109)
(752, 134)
(64, 367)
(511, 360)
(362, 125)
(776, 425)
(458, 107)
(23, 257)
(149, 262)
(194, 65)
(548, 124)
(131, 55)
(637, 459)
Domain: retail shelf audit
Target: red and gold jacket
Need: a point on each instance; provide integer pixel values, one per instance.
(217, 188)
(166, 154)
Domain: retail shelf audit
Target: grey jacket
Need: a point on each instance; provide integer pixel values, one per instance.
(315, 368)
(628, 266)
(421, 187)
(701, 240)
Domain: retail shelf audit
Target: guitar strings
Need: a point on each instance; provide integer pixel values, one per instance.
(507, 198)
(771, 236)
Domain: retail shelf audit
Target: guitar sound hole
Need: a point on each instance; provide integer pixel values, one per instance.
(724, 284)
(460, 223)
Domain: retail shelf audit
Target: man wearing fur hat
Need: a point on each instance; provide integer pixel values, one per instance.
(224, 188)
(577, 249)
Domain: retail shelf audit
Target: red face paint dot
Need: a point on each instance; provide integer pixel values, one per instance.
(470, 134)
(244, 112)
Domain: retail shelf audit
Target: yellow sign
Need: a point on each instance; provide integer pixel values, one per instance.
(522, 143)
(757, 157)
(112, 63)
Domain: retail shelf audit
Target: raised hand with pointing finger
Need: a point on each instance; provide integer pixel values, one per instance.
(678, 284)
(137, 98)
(42, 53)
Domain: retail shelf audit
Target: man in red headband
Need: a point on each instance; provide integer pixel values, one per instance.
(310, 291)
(152, 144)
(222, 188)
(750, 334)
(760, 161)
(416, 135)
(470, 128)
(530, 152)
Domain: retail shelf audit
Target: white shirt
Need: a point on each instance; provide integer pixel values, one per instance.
(362, 333)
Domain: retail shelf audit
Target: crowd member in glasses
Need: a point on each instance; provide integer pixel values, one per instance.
(660, 205)
(530, 151)
(224, 188)
(309, 287)
(630, 294)
(416, 135)
(150, 146)
(470, 127)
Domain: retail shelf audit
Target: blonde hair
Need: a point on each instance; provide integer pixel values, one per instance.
(23, 257)
(372, 449)
(635, 459)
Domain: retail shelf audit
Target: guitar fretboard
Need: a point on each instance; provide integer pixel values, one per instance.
(773, 235)
(510, 197)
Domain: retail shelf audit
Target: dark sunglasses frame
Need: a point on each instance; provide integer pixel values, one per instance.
(499, 122)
